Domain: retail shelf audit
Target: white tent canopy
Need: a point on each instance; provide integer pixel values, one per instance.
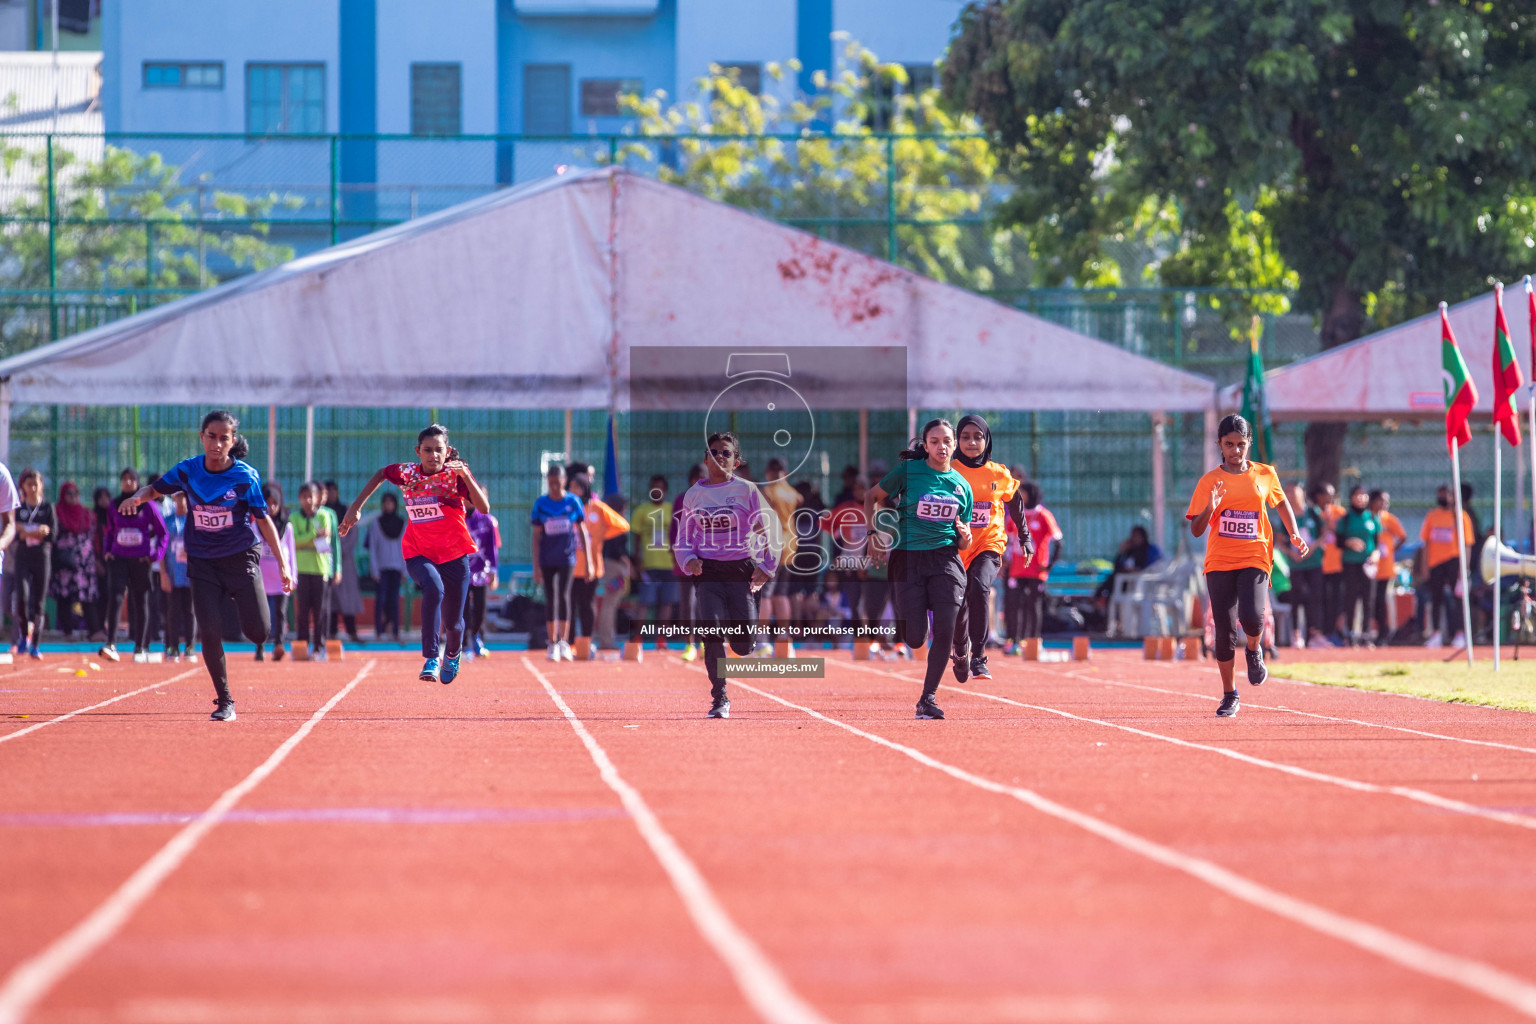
(532, 298)
(1396, 373)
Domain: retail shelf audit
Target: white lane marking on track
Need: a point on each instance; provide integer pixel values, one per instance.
(93, 707)
(1306, 714)
(1473, 975)
(759, 980)
(1406, 792)
(34, 977)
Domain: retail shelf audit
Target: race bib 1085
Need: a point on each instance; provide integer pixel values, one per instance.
(1238, 524)
(937, 508)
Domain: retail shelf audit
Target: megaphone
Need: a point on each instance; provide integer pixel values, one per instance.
(1502, 560)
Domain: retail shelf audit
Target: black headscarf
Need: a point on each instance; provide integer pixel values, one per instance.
(392, 523)
(986, 452)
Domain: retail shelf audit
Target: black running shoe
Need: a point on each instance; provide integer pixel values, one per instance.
(261, 655)
(926, 708)
(721, 708)
(1257, 673)
(961, 663)
(979, 667)
(224, 712)
(1228, 705)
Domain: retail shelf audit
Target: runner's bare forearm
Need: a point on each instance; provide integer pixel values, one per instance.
(355, 509)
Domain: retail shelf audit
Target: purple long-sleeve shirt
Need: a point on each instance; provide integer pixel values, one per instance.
(726, 522)
(141, 535)
(486, 531)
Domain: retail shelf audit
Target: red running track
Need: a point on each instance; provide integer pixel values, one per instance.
(1075, 843)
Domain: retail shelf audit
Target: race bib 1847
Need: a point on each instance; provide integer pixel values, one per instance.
(424, 509)
(937, 508)
(1238, 524)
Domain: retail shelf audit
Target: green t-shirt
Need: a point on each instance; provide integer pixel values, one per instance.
(1312, 526)
(1358, 525)
(651, 521)
(928, 502)
(313, 561)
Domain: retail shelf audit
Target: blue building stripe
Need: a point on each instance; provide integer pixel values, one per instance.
(359, 104)
(813, 40)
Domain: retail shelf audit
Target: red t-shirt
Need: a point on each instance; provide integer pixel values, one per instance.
(434, 513)
(1042, 530)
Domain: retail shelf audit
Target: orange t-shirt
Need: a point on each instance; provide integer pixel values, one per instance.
(1439, 535)
(1238, 534)
(1392, 537)
(603, 523)
(1333, 555)
(991, 488)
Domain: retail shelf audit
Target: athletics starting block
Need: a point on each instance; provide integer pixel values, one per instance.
(783, 649)
(1079, 648)
(861, 650)
(298, 650)
(334, 651)
(634, 650)
(1157, 648)
(1031, 649)
(583, 649)
(6, 658)
(1192, 650)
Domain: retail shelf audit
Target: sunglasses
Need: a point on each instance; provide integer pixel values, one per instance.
(722, 453)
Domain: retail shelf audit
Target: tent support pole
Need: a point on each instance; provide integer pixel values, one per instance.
(567, 448)
(911, 423)
(1210, 437)
(5, 422)
(271, 442)
(309, 442)
(1159, 479)
(864, 443)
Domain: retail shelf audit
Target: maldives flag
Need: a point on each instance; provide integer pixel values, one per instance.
(1460, 394)
(1506, 372)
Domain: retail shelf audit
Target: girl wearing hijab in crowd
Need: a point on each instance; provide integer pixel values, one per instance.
(272, 569)
(992, 487)
(101, 502)
(382, 542)
(73, 586)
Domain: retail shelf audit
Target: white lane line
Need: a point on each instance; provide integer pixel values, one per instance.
(34, 977)
(93, 707)
(1305, 714)
(1406, 792)
(1473, 975)
(760, 982)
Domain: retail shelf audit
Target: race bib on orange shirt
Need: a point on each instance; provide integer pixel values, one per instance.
(1238, 524)
(1443, 535)
(981, 514)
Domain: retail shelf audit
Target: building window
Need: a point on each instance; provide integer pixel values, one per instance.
(546, 99)
(162, 74)
(435, 102)
(883, 92)
(748, 76)
(284, 98)
(600, 96)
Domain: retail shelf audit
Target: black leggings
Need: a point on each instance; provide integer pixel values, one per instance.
(929, 581)
(178, 620)
(309, 596)
(1239, 591)
(872, 596)
(725, 606)
(32, 572)
(130, 576)
(972, 622)
(277, 616)
(1358, 589)
(584, 606)
(474, 610)
(557, 592)
(1024, 607)
(1310, 584)
(1442, 586)
(213, 579)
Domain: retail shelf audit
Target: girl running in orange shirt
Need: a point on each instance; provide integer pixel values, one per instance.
(1233, 498)
(992, 486)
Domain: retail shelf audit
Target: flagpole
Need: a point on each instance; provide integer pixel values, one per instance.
(1530, 304)
(1498, 461)
(1498, 501)
(1461, 549)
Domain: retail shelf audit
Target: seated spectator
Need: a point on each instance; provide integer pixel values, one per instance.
(1136, 553)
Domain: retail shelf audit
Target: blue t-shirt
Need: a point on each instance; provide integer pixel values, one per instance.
(220, 506)
(560, 520)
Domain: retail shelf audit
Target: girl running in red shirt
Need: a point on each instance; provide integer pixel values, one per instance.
(437, 544)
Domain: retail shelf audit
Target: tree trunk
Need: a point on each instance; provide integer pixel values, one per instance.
(1324, 442)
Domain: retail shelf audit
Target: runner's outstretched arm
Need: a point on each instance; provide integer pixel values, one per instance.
(355, 509)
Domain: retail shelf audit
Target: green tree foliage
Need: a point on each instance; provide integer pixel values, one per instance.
(817, 162)
(125, 222)
(1384, 149)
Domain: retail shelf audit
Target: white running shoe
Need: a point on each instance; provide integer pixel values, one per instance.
(1435, 640)
(566, 652)
(552, 652)
(1459, 643)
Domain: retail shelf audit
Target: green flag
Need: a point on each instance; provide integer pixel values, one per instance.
(1255, 408)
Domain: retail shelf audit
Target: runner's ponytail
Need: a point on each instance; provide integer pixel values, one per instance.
(917, 450)
(241, 448)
